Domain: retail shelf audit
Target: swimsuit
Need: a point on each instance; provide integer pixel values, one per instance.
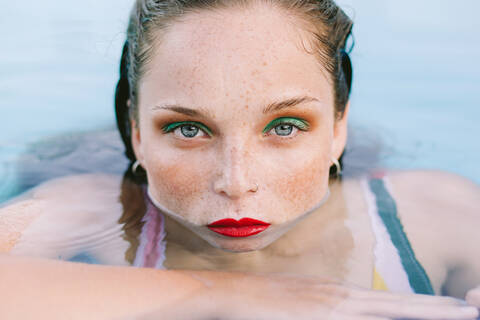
(151, 250)
(396, 267)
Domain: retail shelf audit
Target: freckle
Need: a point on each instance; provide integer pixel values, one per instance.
(246, 106)
(265, 63)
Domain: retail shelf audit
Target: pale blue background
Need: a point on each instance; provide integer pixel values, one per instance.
(417, 77)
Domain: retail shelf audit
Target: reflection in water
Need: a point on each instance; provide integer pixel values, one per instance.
(83, 257)
(6, 178)
(150, 251)
(62, 155)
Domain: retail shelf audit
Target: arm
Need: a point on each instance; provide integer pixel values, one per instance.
(33, 288)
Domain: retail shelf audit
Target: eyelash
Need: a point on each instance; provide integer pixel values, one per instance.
(175, 125)
(297, 123)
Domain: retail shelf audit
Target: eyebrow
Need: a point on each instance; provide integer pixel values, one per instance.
(181, 109)
(270, 108)
(280, 105)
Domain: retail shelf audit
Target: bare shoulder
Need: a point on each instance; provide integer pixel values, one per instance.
(54, 198)
(435, 180)
(447, 202)
(440, 212)
(445, 195)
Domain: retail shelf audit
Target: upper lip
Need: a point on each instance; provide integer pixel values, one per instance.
(238, 223)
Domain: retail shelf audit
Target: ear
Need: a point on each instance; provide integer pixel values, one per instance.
(136, 140)
(340, 134)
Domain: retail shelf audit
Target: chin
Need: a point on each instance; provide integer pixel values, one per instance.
(251, 243)
(240, 245)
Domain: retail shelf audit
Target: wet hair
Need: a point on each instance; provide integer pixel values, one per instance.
(331, 30)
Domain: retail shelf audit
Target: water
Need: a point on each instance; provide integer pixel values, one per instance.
(418, 80)
(415, 105)
(416, 85)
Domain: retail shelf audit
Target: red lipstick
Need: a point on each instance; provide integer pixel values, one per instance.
(245, 227)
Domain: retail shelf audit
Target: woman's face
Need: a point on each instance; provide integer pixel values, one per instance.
(236, 120)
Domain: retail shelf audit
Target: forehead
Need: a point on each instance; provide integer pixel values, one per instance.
(243, 55)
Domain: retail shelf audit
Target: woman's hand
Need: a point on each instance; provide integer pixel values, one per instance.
(232, 296)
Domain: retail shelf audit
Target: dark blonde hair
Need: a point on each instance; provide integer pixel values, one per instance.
(330, 32)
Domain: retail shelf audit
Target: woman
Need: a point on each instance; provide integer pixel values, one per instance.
(236, 113)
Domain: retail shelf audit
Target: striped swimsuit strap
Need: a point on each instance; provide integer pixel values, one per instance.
(393, 247)
(151, 249)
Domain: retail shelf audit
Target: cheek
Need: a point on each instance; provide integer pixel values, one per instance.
(177, 182)
(300, 181)
(305, 184)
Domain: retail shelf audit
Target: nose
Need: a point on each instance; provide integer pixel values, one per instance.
(235, 167)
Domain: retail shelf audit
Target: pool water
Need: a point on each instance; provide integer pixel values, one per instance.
(416, 86)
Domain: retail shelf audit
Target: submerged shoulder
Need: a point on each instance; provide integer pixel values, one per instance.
(82, 195)
(77, 186)
(60, 189)
(76, 191)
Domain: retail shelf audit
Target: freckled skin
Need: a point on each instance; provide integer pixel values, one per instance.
(298, 184)
(198, 64)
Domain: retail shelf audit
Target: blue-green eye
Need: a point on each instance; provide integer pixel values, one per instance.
(285, 126)
(187, 129)
(284, 129)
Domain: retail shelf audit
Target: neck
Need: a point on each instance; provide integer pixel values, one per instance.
(321, 236)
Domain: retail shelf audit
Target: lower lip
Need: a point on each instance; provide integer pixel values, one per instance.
(241, 229)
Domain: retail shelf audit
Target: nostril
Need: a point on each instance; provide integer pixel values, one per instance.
(232, 176)
(234, 189)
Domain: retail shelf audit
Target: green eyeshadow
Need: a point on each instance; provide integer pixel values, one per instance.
(299, 123)
(174, 125)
